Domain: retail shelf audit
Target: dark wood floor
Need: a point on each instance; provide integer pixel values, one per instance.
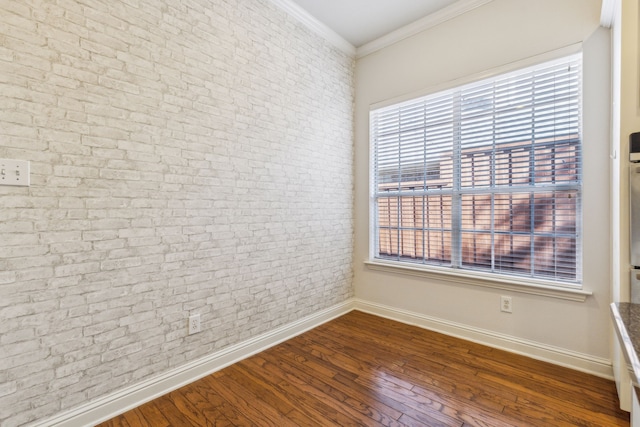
(364, 370)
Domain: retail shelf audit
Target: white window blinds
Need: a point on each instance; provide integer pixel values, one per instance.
(486, 176)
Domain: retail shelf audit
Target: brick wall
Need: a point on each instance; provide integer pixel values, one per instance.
(186, 157)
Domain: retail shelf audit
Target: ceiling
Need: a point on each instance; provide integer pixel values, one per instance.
(362, 21)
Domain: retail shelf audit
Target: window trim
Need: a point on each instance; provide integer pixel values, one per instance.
(486, 280)
(550, 288)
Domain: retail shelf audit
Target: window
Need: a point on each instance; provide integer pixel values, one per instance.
(484, 177)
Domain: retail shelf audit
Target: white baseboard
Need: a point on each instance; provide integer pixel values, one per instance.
(135, 395)
(582, 362)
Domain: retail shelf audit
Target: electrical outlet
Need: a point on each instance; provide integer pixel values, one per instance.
(14, 172)
(505, 304)
(194, 324)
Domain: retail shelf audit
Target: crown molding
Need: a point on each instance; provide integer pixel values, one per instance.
(458, 8)
(316, 26)
(608, 13)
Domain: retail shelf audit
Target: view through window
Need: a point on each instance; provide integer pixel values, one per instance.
(486, 176)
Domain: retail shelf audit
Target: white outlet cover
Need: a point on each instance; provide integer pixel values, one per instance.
(194, 324)
(506, 304)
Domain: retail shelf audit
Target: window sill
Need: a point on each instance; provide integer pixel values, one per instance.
(480, 279)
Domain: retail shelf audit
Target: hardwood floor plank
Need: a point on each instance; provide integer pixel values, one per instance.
(137, 418)
(211, 413)
(262, 391)
(218, 407)
(146, 415)
(360, 412)
(548, 383)
(450, 387)
(187, 411)
(569, 414)
(476, 396)
(363, 370)
(461, 408)
(251, 407)
(171, 412)
(273, 396)
(318, 408)
(547, 396)
(120, 421)
(354, 397)
(411, 410)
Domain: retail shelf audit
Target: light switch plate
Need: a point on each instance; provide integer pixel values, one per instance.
(14, 172)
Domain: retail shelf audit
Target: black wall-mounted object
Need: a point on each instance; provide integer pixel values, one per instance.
(634, 147)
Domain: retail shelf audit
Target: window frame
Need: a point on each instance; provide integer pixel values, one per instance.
(562, 289)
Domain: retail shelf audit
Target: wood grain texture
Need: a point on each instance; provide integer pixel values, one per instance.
(363, 370)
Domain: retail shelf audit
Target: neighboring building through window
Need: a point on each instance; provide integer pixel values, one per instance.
(486, 176)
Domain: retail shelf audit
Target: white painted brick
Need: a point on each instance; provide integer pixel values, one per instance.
(76, 269)
(183, 158)
(77, 366)
(7, 388)
(16, 407)
(103, 329)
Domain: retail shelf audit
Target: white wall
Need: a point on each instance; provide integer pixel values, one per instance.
(187, 157)
(499, 33)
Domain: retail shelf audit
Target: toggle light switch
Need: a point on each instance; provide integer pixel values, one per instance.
(14, 172)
